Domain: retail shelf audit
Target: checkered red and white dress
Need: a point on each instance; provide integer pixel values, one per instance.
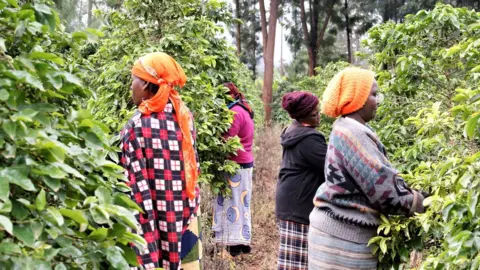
(153, 162)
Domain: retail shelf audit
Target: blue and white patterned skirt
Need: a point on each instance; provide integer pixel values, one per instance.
(232, 221)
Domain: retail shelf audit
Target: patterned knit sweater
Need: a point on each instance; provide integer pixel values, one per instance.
(360, 183)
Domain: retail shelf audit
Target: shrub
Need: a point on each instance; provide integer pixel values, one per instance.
(61, 199)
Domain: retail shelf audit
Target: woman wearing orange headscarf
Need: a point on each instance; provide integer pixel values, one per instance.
(160, 161)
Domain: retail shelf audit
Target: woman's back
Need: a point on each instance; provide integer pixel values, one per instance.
(152, 151)
(243, 127)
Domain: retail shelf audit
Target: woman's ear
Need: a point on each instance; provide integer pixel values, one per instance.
(145, 86)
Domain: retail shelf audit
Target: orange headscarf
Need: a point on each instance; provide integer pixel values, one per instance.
(161, 69)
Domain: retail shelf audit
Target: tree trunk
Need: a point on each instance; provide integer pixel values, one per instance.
(312, 61)
(282, 71)
(310, 39)
(89, 18)
(295, 51)
(238, 32)
(321, 32)
(314, 39)
(395, 10)
(269, 50)
(385, 11)
(347, 27)
(254, 38)
(263, 22)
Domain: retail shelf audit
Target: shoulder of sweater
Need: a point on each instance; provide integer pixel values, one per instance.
(353, 126)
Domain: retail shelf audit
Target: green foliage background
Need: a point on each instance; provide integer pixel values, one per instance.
(62, 201)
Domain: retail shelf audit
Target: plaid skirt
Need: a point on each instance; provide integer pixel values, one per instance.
(293, 251)
(327, 252)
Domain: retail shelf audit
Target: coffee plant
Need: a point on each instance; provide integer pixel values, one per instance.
(427, 67)
(62, 199)
(189, 31)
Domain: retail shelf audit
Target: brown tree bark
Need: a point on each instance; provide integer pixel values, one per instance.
(268, 57)
(314, 38)
(347, 27)
(263, 23)
(238, 35)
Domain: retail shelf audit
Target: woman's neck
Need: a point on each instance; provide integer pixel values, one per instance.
(357, 118)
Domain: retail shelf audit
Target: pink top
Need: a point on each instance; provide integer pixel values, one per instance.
(243, 127)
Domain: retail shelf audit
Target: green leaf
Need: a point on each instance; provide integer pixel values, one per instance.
(56, 215)
(90, 200)
(41, 200)
(9, 248)
(95, 32)
(60, 266)
(114, 256)
(129, 255)
(4, 188)
(37, 228)
(122, 215)
(125, 201)
(99, 234)
(383, 245)
(10, 128)
(26, 77)
(6, 207)
(118, 230)
(74, 215)
(56, 152)
(25, 115)
(104, 195)
(384, 219)
(69, 169)
(471, 125)
(135, 239)
(19, 211)
(6, 224)
(48, 56)
(472, 201)
(42, 8)
(99, 215)
(79, 35)
(13, 3)
(4, 95)
(71, 252)
(18, 176)
(50, 171)
(24, 233)
(51, 253)
(69, 77)
(52, 183)
(92, 140)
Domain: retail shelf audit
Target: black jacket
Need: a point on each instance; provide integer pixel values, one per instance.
(302, 172)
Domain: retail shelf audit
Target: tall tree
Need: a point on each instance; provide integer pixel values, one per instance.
(348, 32)
(238, 34)
(314, 38)
(268, 36)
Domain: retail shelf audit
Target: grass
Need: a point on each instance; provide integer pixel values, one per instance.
(268, 154)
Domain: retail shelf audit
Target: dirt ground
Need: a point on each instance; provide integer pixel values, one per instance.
(268, 155)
